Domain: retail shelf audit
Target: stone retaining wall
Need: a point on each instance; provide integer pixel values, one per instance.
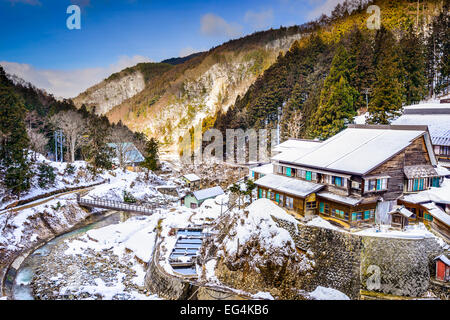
(350, 263)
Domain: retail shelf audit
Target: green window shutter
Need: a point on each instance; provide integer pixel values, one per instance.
(277, 197)
(288, 172)
(260, 193)
(367, 215)
(308, 175)
(354, 216)
(322, 207)
(379, 184)
(435, 182)
(421, 184)
(416, 184)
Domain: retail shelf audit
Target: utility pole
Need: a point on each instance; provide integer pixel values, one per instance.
(367, 92)
(59, 143)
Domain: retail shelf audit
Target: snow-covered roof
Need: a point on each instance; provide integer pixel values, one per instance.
(442, 138)
(264, 169)
(426, 108)
(442, 172)
(437, 195)
(444, 259)
(208, 193)
(402, 210)
(419, 171)
(132, 154)
(434, 115)
(296, 144)
(338, 198)
(358, 149)
(192, 177)
(438, 213)
(291, 186)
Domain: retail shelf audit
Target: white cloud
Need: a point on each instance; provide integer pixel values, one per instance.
(322, 7)
(213, 25)
(259, 20)
(68, 83)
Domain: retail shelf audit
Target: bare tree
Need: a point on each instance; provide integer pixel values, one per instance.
(123, 141)
(295, 125)
(73, 126)
(38, 141)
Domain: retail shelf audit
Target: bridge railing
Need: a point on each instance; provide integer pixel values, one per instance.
(111, 204)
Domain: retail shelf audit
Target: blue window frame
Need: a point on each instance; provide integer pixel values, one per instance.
(337, 181)
(435, 182)
(288, 172)
(322, 207)
(379, 184)
(308, 175)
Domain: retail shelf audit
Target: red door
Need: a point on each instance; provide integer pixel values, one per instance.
(440, 270)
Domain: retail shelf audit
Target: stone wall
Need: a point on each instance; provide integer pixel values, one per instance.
(336, 256)
(350, 263)
(164, 285)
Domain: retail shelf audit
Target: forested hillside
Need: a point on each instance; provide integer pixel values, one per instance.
(28, 119)
(343, 69)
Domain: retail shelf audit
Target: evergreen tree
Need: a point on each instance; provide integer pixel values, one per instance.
(413, 63)
(388, 91)
(46, 175)
(15, 168)
(151, 161)
(337, 99)
(98, 154)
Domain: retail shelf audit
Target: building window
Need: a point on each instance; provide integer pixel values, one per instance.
(367, 215)
(327, 208)
(322, 207)
(338, 213)
(436, 182)
(311, 205)
(272, 196)
(308, 175)
(376, 184)
(288, 172)
(337, 181)
(418, 184)
(289, 202)
(356, 185)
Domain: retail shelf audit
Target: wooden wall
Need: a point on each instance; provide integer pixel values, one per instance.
(415, 154)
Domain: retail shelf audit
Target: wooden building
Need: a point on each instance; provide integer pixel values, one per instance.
(437, 117)
(442, 268)
(195, 199)
(192, 180)
(345, 177)
(400, 217)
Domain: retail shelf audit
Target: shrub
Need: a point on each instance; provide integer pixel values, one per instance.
(46, 175)
(70, 169)
(128, 197)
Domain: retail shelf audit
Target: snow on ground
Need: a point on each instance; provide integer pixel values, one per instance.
(259, 224)
(361, 119)
(136, 235)
(322, 293)
(415, 231)
(21, 229)
(322, 223)
(79, 179)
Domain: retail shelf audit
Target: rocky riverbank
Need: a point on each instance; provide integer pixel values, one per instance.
(92, 275)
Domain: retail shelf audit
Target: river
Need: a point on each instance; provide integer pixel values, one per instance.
(22, 289)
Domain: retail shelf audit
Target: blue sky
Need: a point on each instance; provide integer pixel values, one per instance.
(37, 45)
